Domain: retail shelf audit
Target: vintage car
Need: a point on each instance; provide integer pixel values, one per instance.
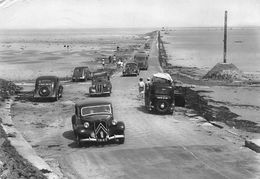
(130, 68)
(81, 74)
(101, 84)
(147, 45)
(141, 58)
(94, 122)
(48, 87)
(159, 94)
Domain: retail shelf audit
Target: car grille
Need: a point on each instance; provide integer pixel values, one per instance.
(99, 88)
(101, 130)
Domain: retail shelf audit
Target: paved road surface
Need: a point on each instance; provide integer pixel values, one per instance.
(156, 146)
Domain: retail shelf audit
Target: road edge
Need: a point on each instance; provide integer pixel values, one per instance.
(20, 144)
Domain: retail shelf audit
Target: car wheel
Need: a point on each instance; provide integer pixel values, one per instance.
(57, 97)
(61, 92)
(162, 106)
(121, 140)
(79, 143)
(74, 129)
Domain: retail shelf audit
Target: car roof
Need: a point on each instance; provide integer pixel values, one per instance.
(131, 63)
(92, 103)
(80, 67)
(140, 54)
(47, 78)
(100, 74)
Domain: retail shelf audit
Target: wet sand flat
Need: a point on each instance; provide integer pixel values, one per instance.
(202, 48)
(25, 55)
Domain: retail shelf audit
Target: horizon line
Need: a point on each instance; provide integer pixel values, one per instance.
(159, 28)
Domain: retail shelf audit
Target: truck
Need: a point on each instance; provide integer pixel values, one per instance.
(141, 58)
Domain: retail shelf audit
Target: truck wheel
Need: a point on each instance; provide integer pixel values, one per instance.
(179, 101)
(162, 106)
(121, 140)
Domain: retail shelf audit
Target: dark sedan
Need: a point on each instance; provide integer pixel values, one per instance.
(48, 87)
(94, 121)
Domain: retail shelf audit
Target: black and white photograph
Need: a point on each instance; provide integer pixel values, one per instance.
(129, 89)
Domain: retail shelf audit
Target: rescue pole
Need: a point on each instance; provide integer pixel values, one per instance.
(225, 39)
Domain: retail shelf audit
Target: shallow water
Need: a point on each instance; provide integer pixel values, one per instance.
(203, 47)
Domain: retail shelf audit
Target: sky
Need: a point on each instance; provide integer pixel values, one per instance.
(44, 14)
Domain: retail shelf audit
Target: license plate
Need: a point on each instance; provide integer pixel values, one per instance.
(102, 140)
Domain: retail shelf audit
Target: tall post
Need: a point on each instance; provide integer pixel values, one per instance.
(225, 39)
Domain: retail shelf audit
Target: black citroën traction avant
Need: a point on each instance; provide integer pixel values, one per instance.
(47, 87)
(94, 122)
(101, 84)
(160, 94)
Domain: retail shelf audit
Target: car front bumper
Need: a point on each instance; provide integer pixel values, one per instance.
(95, 93)
(78, 78)
(102, 140)
(130, 73)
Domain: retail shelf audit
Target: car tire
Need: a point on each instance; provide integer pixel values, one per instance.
(56, 97)
(74, 130)
(61, 92)
(79, 143)
(159, 104)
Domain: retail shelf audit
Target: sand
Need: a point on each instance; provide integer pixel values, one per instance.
(25, 58)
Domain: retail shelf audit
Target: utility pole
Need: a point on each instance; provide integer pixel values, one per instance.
(225, 39)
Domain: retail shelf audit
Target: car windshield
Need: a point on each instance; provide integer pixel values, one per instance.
(99, 78)
(78, 71)
(130, 65)
(160, 80)
(45, 82)
(100, 109)
(139, 58)
(162, 90)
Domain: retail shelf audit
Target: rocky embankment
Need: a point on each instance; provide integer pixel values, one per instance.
(196, 100)
(12, 165)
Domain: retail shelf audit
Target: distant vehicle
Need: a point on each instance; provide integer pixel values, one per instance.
(81, 74)
(48, 87)
(141, 58)
(100, 84)
(130, 68)
(94, 121)
(159, 95)
(147, 46)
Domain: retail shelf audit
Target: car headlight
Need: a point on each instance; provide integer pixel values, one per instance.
(86, 124)
(93, 86)
(114, 122)
(105, 85)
